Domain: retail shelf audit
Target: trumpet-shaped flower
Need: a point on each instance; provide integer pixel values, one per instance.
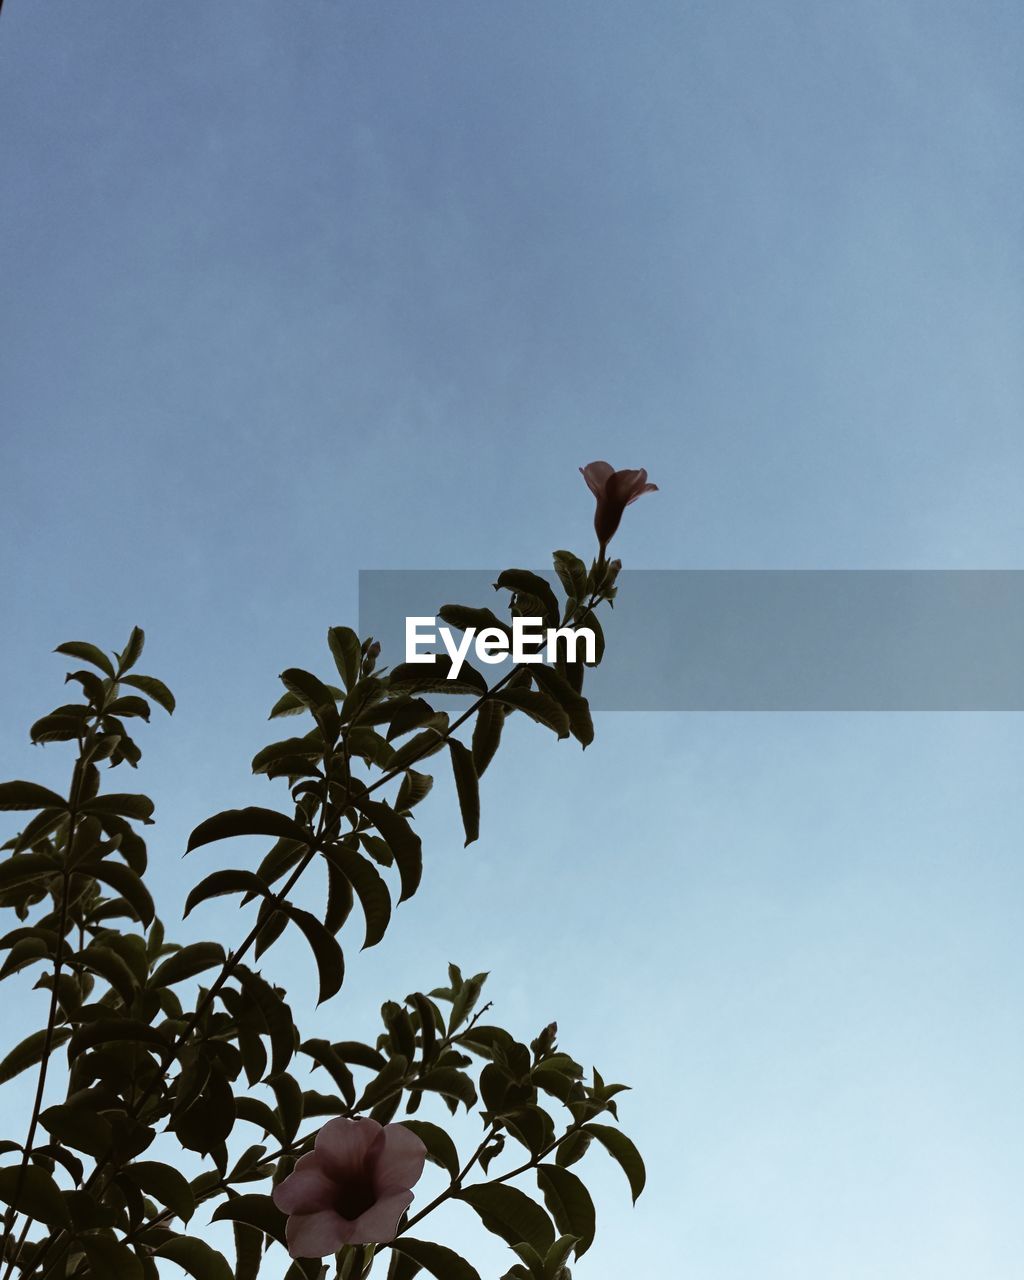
(614, 491)
(352, 1188)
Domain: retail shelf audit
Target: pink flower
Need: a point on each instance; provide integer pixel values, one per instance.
(614, 491)
(352, 1188)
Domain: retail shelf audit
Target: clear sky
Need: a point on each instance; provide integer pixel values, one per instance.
(287, 291)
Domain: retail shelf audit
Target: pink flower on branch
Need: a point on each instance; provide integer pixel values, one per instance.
(614, 491)
(352, 1188)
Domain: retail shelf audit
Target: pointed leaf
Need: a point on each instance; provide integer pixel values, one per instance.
(29, 795)
(166, 1185)
(347, 653)
(88, 653)
(370, 887)
(251, 821)
(621, 1149)
(569, 1203)
(29, 1053)
(405, 844)
(196, 1257)
(153, 688)
(438, 1261)
(467, 787)
(510, 1214)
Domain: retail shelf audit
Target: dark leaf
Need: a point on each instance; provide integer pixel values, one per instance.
(251, 821)
(187, 962)
(569, 1203)
(255, 1211)
(153, 688)
(576, 707)
(439, 1261)
(538, 706)
(29, 795)
(434, 677)
(166, 1185)
(29, 1053)
(441, 1149)
(347, 653)
(510, 1214)
(196, 1257)
(622, 1150)
(467, 787)
(218, 883)
(404, 843)
(132, 650)
(125, 806)
(369, 885)
(88, 653)
(531, 584)
(39, 1196)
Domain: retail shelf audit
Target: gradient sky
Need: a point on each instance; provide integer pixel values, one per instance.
(287, 291)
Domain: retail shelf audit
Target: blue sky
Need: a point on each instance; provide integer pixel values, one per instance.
(291, 291)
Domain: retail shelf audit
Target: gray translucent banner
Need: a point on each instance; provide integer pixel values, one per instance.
(766, 640)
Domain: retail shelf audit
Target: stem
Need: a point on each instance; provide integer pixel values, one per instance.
(236, 956)
(51, 1025)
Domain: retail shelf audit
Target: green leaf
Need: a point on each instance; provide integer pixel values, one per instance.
(450, 1083)
(324, 1055)
(132, 650)
(569, 1203)
(196, 1257)
(439, 1261)
(153, 688)
(490, 721)
(166, 1185)
(572, 573)
(576, 1146)
(130, 705)
(467, 787)
(557, 1256)
(433, 677)
(466, 619)
(510, 1214)
(78, 1127)
(538, 706)
(39, 1196)
(574, 704)
(125, 806)
(255, 1211)
(29, 1052)
(107, 1029)
(441, 1150)
(218, 883)
(112, 968)
(187, 962)
(317, 696)
(29, 795)
(405, 844)
(370, 887)
(589, 619)
(330, 960)
(251, 821)
(415, 787)
(248, 1251)
(26, 867)
(347, 653)
(110, 1257)
(522, 581)
(276, 1015)
(127, 884)
(621, 1149)
(88, 653)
